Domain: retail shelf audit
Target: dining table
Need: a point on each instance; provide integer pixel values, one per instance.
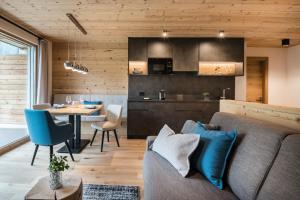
(75, 112)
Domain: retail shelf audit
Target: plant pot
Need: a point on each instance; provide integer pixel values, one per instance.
(55, 180)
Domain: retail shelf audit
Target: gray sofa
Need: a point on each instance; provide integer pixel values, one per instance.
(264, 165)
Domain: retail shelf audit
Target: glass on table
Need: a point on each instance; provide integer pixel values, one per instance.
(68, 99)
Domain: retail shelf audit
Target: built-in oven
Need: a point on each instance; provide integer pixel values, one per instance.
(160, 65)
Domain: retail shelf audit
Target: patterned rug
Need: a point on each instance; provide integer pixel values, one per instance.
(110, 192)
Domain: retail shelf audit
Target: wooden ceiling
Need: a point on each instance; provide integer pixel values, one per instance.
(261, 22)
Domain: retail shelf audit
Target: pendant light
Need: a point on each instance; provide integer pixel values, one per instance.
(68, 64)
(76, 65)
(80, 65)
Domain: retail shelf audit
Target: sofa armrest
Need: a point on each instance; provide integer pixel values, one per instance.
(149, 142)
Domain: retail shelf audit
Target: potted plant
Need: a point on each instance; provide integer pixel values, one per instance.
(56, 167)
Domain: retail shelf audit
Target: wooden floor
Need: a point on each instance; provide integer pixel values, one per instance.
(115, 165)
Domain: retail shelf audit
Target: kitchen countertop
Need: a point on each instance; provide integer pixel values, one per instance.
(173, 99)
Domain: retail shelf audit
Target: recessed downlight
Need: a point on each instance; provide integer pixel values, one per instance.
(221, 33)
(165, 33)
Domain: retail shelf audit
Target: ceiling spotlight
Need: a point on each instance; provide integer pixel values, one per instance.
(221, 34)
(165, 33)
(285, 42)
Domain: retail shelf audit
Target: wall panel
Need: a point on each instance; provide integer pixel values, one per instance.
(107, 64)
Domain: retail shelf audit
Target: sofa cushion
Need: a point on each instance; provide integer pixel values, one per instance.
(257, 145)
(211, 155)
(162, 181)
(189, 127)
(176, 148)
(107, 99)
(85, 102)
(283, 180)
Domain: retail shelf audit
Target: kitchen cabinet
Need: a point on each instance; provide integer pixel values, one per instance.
(137, 49)
(159, 48)
(147, 118)
(216, 49)
(202, 112)
(185, 54)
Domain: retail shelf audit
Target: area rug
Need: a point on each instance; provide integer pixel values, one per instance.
(110, 192)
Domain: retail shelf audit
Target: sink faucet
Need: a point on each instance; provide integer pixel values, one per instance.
(224, 93)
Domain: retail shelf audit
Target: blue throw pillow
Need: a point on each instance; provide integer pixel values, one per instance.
(211, 155)
(93, 103)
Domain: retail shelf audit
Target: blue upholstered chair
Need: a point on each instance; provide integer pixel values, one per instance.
(43, 131)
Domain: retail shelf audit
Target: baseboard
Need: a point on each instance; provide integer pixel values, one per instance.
(13, 145)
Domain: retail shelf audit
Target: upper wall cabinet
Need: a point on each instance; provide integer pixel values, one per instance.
(159, 48)
(227, 49)
(185, 54)
(137, 49)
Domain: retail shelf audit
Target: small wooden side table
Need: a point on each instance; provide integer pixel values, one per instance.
(71, 189)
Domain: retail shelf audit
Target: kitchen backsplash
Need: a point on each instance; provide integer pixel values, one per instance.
(186, 84)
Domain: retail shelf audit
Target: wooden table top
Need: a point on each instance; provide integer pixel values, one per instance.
(74, 110)
(71, 190)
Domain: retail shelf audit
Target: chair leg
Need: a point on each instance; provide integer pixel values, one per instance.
(34, 154)
(116, 137)
(94, 137)
(107, 136)
(103, 133)
(51, 152)
(70, 152)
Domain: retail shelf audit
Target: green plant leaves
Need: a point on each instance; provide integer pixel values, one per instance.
(58, 163)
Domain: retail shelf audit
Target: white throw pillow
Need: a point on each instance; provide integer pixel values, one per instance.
(176, 148)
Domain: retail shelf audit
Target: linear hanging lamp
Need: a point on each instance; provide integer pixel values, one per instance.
(75, 66)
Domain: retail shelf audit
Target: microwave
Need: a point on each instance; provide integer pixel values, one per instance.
(160, 65)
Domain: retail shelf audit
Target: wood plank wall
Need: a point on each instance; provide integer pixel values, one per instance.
(13, 88)
(107, 64)
(286, 116)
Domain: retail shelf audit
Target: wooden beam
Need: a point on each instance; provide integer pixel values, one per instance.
(77, 24)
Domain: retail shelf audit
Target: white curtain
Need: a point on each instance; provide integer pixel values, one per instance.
(44, 72)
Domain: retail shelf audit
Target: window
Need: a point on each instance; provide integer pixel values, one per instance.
(17, 64)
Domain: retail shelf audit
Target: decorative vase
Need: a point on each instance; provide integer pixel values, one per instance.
(55, 180)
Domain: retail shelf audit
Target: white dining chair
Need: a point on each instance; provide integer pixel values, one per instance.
(112, 123)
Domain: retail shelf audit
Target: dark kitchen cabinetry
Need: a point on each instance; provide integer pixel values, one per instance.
(159, 48)
(137, 49)
(185, 54)
(216, 49)
(147, 118)
(195, 111)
